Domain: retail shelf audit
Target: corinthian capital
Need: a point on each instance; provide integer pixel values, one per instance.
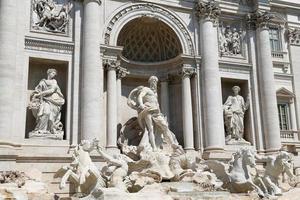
(187, 71)
(261, 19)
(111, 64)
(208, 10)
(121, 72)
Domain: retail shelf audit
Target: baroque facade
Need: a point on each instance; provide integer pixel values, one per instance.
(228, 76)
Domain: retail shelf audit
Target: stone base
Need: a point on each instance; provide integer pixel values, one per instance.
(31, 190)
(238, 142)
(36, 134)
(216, 155)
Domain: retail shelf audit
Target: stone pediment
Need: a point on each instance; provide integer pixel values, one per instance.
(285, 93)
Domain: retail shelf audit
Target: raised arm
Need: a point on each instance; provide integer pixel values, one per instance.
(140, 98)
(109, 158)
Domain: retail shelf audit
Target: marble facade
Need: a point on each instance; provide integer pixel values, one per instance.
(102, 50)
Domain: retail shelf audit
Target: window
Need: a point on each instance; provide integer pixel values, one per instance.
(283, 112)
(275, 39)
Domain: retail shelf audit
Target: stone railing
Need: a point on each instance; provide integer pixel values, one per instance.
(278, 54)
(289, 136)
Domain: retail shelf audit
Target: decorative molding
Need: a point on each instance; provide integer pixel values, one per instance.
(122, 72)
(294, 36)
(235, 69)
(208, 10)
(49, 46)
(153, 9)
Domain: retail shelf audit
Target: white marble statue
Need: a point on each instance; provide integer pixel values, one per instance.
(116, 169)
(234, 110)
(45, 103)
(151, 120)
(51, 16)
(237, 179)
(275, 166)
(82, 171)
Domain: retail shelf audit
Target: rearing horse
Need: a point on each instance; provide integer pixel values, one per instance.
(237, 179)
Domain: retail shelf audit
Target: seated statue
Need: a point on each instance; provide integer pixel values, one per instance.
(151, 120)
(234, 111)
(46, 102)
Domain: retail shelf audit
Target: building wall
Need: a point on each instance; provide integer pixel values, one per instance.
(37, 50)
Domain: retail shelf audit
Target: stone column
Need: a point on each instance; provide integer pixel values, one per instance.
(8, 25)
(164, 97)
(255, 106)
(293, 115)
(121, 73)
(111, 134)
(187, 109)
(92, 72)
(208, 14)
(267, 83)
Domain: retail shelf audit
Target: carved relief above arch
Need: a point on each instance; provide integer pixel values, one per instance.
(128, 13)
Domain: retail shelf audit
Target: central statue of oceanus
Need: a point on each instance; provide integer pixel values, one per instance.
(151, 120)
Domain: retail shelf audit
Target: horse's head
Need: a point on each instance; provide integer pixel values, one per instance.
(248, 157)
(284, 160)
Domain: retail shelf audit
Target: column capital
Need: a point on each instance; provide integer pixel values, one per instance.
(111, 64)
(187, 71)
(88, 1)
(122, 72)
(259, 19)
(294, 36)
(208, 10)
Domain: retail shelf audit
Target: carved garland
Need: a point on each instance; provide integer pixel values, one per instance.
(154, 9)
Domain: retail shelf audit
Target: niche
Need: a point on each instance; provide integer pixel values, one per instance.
(37, 71)
(227, 85)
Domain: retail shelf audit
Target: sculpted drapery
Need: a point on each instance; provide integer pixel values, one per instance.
(46, 102)
(151, 120)
(234, 111)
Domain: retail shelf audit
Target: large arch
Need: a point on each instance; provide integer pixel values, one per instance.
(127, 13)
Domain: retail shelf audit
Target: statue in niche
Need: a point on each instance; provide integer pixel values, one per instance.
(50, 16)
(150, 119)
(234, 111)
(45, 103)
(230, 41)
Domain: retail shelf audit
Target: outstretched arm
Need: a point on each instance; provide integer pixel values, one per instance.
(109, 158)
